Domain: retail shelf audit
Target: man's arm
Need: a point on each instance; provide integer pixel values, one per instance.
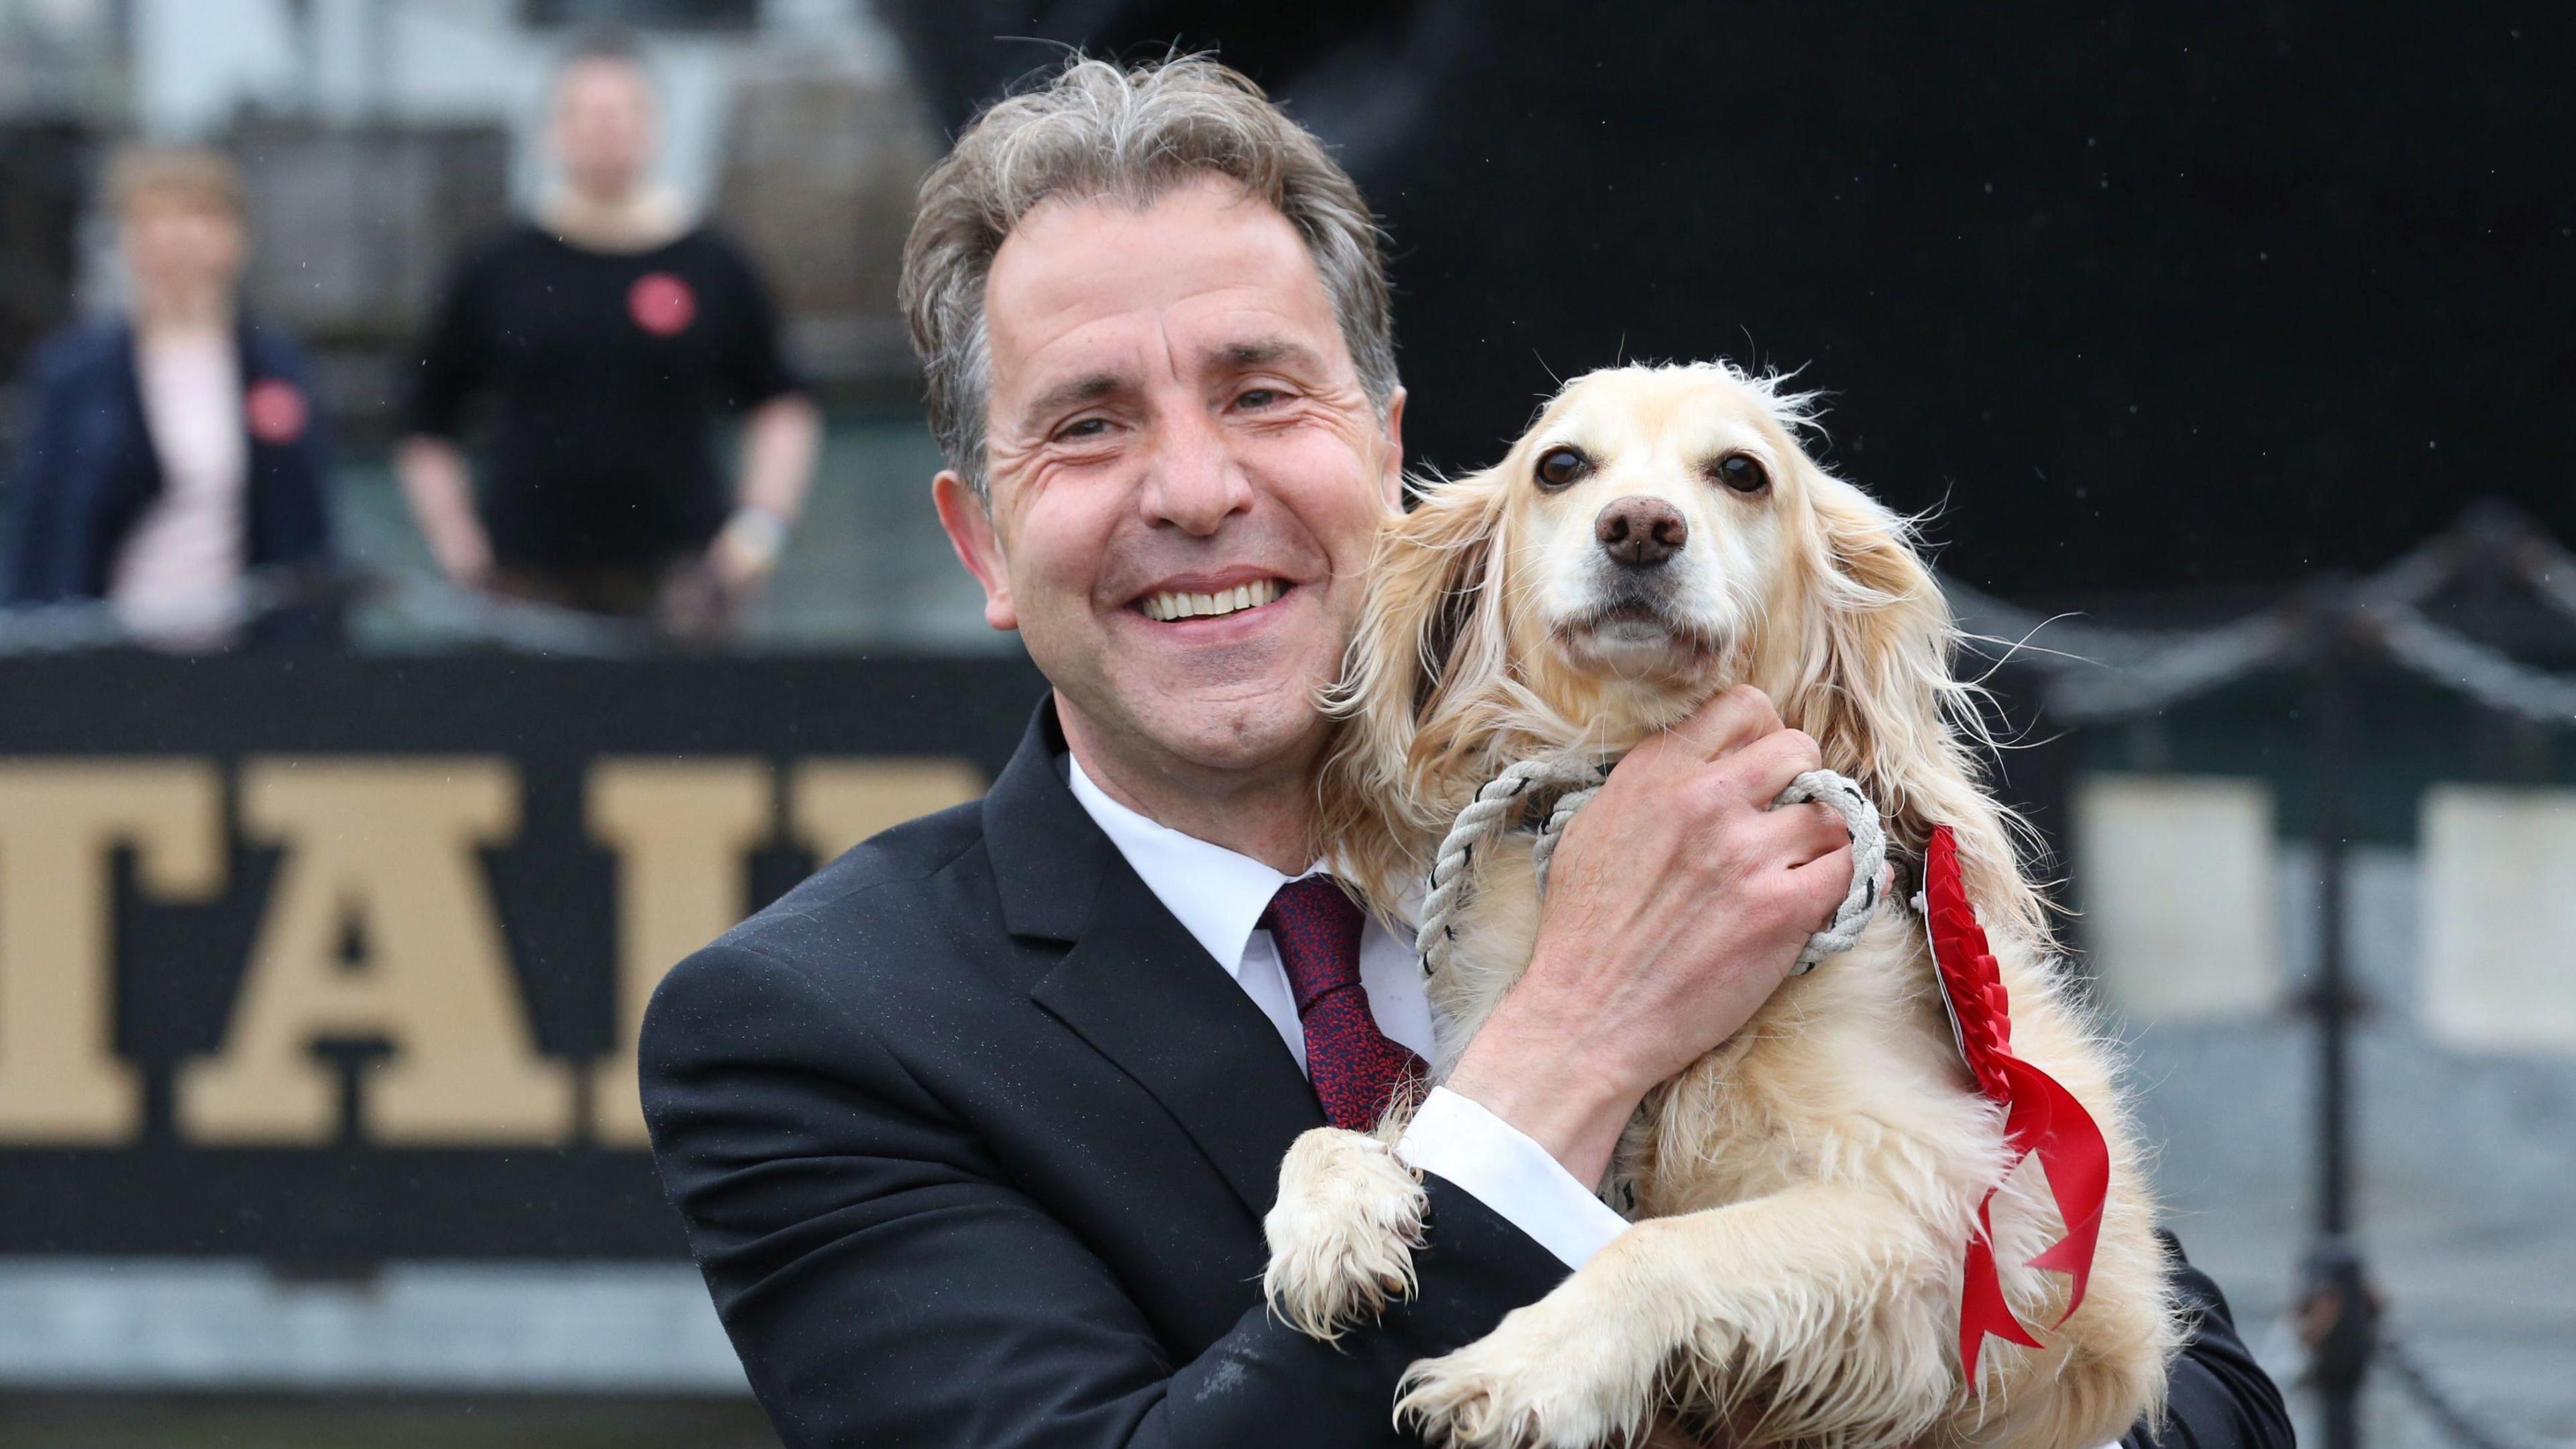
(779, 441)
(2220, 1398)
(439, 486)
(436, 480)
(885, 1284)
(782, 430)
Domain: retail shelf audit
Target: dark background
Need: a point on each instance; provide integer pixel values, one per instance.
(2140, 297)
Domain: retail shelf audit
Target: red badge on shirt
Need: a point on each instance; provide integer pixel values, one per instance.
(276, 411)
(661, 304)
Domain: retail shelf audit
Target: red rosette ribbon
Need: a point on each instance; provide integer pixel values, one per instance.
(2041, 1117)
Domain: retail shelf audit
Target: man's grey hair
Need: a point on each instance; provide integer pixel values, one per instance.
(1100, 131)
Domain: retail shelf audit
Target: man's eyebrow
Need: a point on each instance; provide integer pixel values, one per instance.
(1268, 352)
(1073, 392)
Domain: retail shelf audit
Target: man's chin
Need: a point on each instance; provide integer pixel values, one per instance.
(1230, 727)
(1236, 735)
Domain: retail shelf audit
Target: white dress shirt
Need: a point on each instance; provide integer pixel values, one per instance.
(1218, 897)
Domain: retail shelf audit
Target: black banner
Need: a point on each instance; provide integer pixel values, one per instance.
(334, 960)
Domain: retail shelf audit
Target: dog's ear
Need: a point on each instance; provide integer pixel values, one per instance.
(1432, 621)
(1880, 697)
(1884, 634)
(1430, 617)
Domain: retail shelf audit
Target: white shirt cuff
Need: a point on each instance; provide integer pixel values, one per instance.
(1498, 1166)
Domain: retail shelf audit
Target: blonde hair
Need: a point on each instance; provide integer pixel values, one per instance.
(198, 173)
(1099, 130)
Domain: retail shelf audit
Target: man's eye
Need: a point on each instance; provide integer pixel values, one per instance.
(1085, 428)
(1257, 397)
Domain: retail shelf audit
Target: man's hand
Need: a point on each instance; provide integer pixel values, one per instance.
(1677, 903)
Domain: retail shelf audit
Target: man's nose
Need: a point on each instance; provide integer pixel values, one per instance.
(1194, 482)
(1641, 532)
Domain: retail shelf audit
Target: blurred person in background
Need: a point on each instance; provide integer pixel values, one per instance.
(608, 333)
(173, 451)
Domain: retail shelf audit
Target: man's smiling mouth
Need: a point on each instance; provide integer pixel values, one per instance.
(1167, 608)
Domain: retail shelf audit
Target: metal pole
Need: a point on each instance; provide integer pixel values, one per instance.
(2339, 1311)
(2332, 728)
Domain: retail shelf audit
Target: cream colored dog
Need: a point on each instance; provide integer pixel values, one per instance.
(1803, 1194)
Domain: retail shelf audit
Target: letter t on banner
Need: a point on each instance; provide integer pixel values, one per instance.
(61, 1081)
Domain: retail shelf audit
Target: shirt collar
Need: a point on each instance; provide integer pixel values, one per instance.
(1217, 895)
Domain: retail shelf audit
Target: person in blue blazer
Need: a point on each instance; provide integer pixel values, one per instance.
(168, 457)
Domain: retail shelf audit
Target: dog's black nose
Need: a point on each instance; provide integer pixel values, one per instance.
(1641, 532)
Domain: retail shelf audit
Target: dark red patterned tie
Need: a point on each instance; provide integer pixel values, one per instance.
(1353, 1065)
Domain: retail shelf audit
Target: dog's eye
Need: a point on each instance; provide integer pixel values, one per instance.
(1558, 467)
(1741, 473)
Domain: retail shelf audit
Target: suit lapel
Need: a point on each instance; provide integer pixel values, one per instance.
(1143, 992)
(1134, 984)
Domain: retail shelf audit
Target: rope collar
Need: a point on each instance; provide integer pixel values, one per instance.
(1569, 781)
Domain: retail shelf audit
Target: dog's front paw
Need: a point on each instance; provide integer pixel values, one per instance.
(1545, 1378)
(1343, 1232)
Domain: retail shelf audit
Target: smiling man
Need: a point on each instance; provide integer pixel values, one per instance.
(973, 1132)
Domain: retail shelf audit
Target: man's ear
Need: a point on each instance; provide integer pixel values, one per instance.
(979, 547)
(1391, 475)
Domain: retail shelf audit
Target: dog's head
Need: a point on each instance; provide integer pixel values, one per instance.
(1643, 529)
(1658, 535)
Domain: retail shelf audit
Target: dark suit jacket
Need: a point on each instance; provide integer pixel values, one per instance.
(973, 1143)
(85, 469)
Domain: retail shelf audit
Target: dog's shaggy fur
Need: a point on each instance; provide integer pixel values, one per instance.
(1805, 1192)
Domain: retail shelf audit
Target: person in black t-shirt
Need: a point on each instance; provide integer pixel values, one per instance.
(605, 338)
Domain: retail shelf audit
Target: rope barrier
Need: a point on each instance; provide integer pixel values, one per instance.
(2550, 571)
(2456, 1420)
(2192, 666)
(2490, 676)
(2095, 673)
(2079, 647)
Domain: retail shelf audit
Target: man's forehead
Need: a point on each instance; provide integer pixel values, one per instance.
(1094, 283)
(603, 78)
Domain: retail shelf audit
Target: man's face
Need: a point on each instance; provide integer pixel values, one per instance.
(1176, 431)
(603, 129)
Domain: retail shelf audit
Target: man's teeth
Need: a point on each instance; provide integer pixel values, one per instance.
(1164, 608)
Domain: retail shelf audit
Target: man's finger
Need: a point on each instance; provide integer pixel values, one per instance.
(1798, 835)
(1764, 768)
(1816, 832)
(1826, 880)
(1728, 723)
